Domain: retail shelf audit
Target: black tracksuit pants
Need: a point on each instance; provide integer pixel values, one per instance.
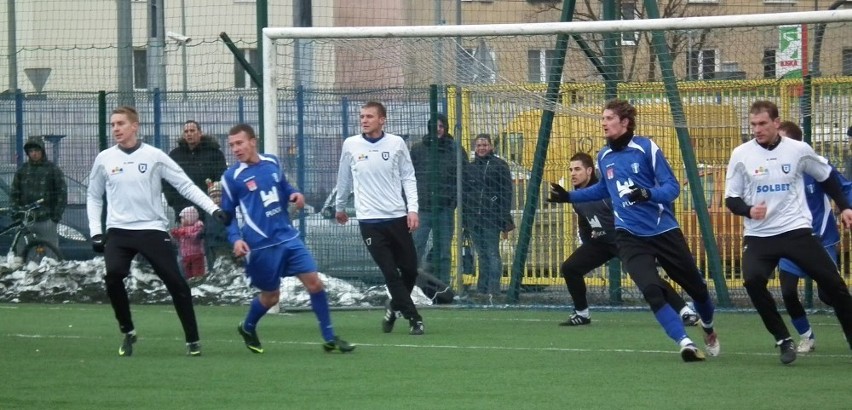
(121, 247)
(761, 256)
(640, 255)
(591, 255)
(392, 247)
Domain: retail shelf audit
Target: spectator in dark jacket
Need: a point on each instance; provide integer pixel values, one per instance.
(201, 158)
(38, 179)
(435, 161)
(487, 206)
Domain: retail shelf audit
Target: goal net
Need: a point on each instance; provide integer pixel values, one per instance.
(492, 79)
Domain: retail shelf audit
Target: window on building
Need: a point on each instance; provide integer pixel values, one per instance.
(241, 76)
(629, 12)
(140, 68)
(538, 64)
(847, 61)
(769, 63)
(701, 65)
(478, 69)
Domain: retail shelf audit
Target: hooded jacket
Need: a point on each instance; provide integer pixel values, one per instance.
(40, 180)
(205, 161)
(435, 163)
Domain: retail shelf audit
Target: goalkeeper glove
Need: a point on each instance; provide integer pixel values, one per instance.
(638, 194)
(98, 242)
(558, 194)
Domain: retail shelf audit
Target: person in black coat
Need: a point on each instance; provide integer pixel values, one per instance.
(435, 160)
(487, 206)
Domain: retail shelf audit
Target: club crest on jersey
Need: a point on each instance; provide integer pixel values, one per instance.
(785, 168)
(142, 168)
(385, 155)
(634, 167)
(251, 185)
(610, 173)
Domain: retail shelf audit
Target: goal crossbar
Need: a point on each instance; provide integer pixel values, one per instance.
(679, 23)
(272, 34)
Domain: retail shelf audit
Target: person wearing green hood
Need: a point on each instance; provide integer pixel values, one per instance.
(38, 179)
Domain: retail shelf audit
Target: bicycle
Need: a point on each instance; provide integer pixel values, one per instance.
(33, 248)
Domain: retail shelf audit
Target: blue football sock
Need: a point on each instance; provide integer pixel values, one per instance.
(256, 311)
(705, 311)
(319, 303)
(801, 324)
(671, 323)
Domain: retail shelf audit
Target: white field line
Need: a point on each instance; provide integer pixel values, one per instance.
(427, 346)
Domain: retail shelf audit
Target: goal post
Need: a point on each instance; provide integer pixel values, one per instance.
(492, 79)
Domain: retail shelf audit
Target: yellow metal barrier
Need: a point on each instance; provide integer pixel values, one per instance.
(717, 119)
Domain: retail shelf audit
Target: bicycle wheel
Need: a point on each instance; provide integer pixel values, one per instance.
(40, 249)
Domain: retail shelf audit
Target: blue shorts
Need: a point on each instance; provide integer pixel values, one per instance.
(265, 267)
(788, 266)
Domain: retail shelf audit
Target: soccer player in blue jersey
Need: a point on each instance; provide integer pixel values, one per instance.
(265, 237)
(639, 181)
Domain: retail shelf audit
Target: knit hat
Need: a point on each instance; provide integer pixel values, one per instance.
(189, 215)
(214, 191)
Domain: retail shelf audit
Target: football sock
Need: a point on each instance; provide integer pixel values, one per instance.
(319, 303)
(705, 312)
(671, 323)
(802, 325)
(584, 313)
(256, 311)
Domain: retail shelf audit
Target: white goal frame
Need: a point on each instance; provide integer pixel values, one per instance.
(270, 100)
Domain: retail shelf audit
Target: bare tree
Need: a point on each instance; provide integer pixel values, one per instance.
(638, 47)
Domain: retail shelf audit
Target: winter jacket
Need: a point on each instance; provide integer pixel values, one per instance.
(435, 163)
(203, 162)
(40, 180)
(488, 192)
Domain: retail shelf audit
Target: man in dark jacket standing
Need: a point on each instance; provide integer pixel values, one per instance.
(38, 179)
(201, 158)
(435, 161)
(487, 206)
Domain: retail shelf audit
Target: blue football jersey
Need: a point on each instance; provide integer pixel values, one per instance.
(261, 193)
(639, 164)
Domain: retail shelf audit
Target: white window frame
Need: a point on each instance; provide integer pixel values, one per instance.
(699, 69)
(542, 64)
(626, 39)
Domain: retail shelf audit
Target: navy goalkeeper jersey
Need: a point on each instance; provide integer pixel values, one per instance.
(641, 164)
(261, 193)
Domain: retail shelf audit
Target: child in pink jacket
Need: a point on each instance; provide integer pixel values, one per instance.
(191, 243)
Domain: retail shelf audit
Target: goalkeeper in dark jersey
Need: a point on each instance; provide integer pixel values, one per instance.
(639, 181)
(597, 233)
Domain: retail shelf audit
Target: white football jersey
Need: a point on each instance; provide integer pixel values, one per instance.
(758, 175)
(378, 172)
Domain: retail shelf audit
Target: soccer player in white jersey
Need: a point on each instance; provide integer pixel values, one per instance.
(377, 167)
(130, 174)
(764, 183)
(267, 239)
